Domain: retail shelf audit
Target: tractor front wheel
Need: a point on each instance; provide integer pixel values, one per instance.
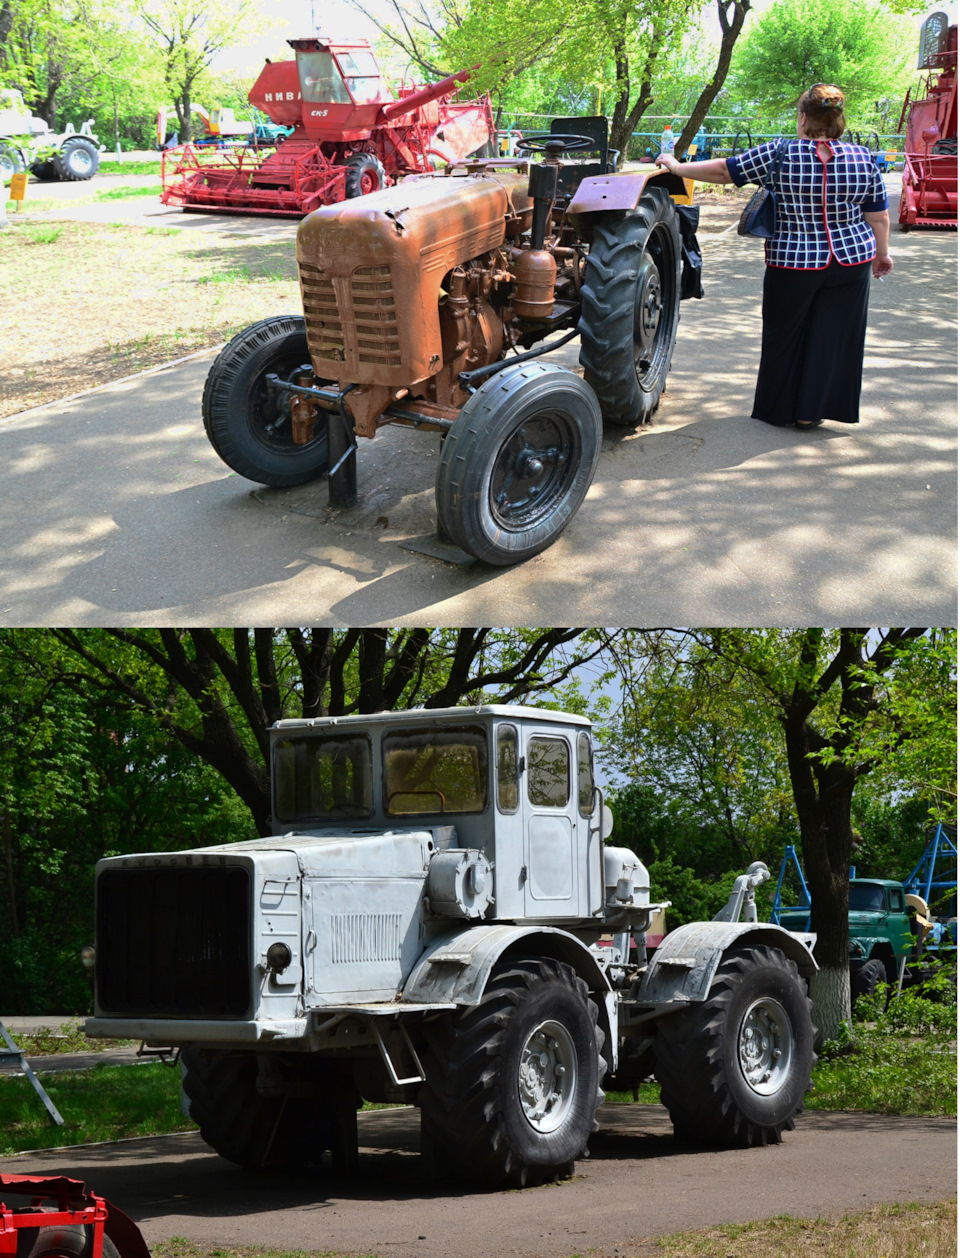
(76, 159)
(867, 977)
(518, 462)
(293, 1128)
(247, 422)
(734, 1069)
(365, 174)
(631, 308)
(11, 163)
(513, 1083)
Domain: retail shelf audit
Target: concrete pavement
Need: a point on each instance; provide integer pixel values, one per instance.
(639, 1182)
(116, 510)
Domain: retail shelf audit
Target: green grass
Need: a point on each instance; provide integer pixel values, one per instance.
(125, 192)
(47, 235)
(178, 1247)
(151, 167)
(105, 1103)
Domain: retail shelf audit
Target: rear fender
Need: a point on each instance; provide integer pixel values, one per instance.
(683, 967)
(457, 967)
(602, 193)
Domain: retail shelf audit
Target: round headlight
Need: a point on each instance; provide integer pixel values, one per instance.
(88, 956)
(279, 957)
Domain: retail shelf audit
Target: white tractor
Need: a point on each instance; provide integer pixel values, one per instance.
(27, 143)
(439, 921)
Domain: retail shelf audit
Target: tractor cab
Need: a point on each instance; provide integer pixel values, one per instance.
(341, 87)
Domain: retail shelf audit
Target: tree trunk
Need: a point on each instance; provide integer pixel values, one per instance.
(731, 27)
(830, 990)
(11, 876)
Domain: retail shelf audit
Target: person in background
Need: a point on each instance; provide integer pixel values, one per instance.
(833, 230)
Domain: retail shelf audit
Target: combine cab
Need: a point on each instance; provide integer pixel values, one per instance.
(929, 197)
(349, 136)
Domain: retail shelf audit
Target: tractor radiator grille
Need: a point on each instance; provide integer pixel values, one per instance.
(366, 301)
(174, 942)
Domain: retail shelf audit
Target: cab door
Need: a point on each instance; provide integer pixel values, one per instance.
(551, 885)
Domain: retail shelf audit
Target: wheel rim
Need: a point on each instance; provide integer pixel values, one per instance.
(652, 325)
(765, 1046)
(369, 182)
(533, 470)
(547, 1077)
(7, 167)
(270, 419)
(80, 161)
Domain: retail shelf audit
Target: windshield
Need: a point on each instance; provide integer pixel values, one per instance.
(362, 75)
(438, 770)
(866, 899)
(323, 778)
(320, 80)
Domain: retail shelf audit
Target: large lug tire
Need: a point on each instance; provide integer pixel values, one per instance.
(734, 1069)
(270, 1132)
(513, 1083)
(365, 173)
(44, 170)
(11, 163)
(865, 979)
(631, 308)
(76, 159)
(247, 422)
(518, 462)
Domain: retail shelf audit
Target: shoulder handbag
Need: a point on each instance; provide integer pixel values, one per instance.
(759, 217)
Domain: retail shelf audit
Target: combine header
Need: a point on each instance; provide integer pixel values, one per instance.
(929, 197)
(64, 1220)
(349, 136)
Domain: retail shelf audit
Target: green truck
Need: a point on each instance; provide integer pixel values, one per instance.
(881, 932)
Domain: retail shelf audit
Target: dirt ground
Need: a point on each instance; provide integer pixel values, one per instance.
(101, 301)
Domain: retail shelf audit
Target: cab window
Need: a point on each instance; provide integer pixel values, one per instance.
(584, 774)
(508, 794)
(896, 900)
(548, 772)
(439, 770)
(320, 79)
(865, 898)
(323, 778)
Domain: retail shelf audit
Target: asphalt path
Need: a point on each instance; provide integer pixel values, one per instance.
(116, 510)
(639, 1183)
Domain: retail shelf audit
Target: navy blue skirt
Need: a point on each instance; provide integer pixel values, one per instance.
(811, 358)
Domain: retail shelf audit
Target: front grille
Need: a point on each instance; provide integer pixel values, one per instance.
(366, 301)
(174, 942)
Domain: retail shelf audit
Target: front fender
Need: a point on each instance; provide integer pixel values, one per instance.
(684, 965)
(457, 966)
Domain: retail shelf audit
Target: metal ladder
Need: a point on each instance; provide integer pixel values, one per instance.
(13, 1056)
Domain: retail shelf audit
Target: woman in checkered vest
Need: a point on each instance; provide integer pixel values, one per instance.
(833, 230)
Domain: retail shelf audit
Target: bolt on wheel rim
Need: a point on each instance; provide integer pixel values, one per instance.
(765, 1046)
(547, 1077)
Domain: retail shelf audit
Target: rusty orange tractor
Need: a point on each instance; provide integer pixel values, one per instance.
(350, 136)
(430, 305)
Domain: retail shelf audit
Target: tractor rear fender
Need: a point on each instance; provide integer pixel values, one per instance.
(601, 193)
(457, 966)
(684, 965)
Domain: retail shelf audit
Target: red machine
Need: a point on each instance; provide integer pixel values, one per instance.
(350, 136)
(929, 197)
(63, 1220)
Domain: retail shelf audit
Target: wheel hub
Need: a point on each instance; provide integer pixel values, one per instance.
(765, 1046)
(649, 308)
(547, 1076)
(530, 472)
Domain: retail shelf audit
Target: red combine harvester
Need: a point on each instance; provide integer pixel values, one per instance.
(63, 1220)
(929, 197)
(350, 136)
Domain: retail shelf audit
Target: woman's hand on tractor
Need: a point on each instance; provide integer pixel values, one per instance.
(669, 162)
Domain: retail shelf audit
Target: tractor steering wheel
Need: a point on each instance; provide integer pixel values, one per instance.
(545, 141)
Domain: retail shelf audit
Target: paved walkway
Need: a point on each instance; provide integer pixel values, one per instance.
(116, 510)
(639, 1182)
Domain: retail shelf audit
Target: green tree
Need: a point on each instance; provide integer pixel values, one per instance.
(863, 48)
(188, 36)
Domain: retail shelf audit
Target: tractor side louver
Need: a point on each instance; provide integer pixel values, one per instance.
(174, 942)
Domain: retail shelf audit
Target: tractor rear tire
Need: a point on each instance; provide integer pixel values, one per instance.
(269, 1132)
(518, 462)
(248, 423)
(44, 170)
(365, 173)
(11, 163)
(865, 980)
(76, 159)
(631, 308)
(513, 1083)
(734, 1069)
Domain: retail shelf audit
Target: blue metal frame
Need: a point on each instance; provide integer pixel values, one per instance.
(790, 856)
(938, 848)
